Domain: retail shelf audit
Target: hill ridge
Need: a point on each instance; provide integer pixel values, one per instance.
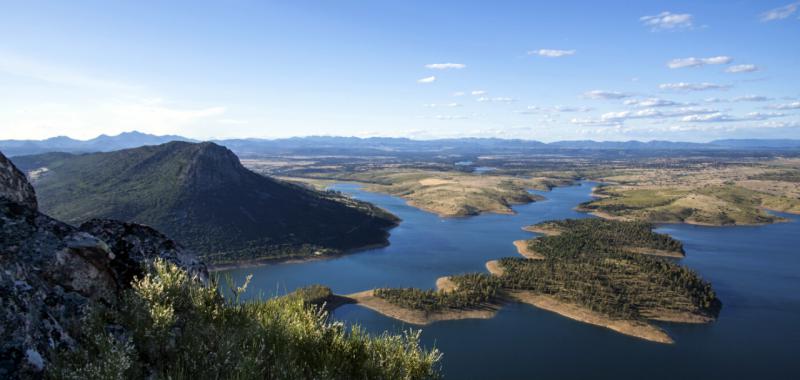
(377, 144)
(200, 194)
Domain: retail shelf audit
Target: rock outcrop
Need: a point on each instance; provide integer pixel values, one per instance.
(135, 245)
(51, 273)
(14, 186)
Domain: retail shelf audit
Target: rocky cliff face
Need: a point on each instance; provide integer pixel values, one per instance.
(51, 273)
(13, 184)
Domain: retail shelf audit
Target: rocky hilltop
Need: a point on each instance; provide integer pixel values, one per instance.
(51, 272)
(202, 196)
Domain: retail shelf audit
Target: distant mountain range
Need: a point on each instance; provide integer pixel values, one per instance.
(201, 195)
(375, 145)
(102, 143)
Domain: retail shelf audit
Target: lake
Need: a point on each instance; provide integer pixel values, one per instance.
(754, 270)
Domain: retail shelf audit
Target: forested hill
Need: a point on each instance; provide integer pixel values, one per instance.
(200, 194)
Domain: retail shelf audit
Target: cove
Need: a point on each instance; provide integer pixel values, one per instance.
(753, 269)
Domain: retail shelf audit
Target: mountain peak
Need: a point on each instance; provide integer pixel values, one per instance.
(201, 194)
(211, 165)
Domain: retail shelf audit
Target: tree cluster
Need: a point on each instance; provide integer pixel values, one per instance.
(594, 235)
(472, 290)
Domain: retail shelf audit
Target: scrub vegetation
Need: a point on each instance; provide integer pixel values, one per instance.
(472, 290)
(176, 328)
(575, 237)
(713, 205)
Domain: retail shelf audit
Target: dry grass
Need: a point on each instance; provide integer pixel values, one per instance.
(704, 195)
(452, 194)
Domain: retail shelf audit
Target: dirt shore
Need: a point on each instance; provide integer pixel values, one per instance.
(524, 250)
(289, 259)
(542, 230)
(636, 329)
(418, 317)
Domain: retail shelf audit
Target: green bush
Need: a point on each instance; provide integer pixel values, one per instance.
(173, 327)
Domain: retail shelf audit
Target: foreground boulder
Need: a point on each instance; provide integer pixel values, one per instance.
(135, 246)
(51, 272)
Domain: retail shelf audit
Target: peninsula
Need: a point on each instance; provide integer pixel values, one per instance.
(606, 273)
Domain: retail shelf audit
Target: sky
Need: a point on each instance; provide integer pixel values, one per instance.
(547, 71)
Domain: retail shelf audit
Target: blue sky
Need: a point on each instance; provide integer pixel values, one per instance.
(677, 70)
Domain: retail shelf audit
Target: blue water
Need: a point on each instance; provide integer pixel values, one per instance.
(483, 169)
(755, 271)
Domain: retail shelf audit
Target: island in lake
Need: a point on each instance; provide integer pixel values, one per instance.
(615, 274)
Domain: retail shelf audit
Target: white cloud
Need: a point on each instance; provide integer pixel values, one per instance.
(652, 113)
(615, 116)
(711, 117)
(451, 117)
(232, 121)
(780, 13)
(786, 106)
(689, 111)
(497, 99)
(710, 127)
(445, 105)
(458, 93)
(478, 92)
(781, 124)
(17, 65)
(87, 120)
(595, 122)
(764, 115)
(571, 109)
(600, 94)
(445, 66)
(697, 62)
(721, 117)
(683, 86)
(667, 21)
(619, 117)
(747, 68)
(552, 53)
(536, 110)
(751, 98)
(429, 79)
(88, 105)
(650, 102)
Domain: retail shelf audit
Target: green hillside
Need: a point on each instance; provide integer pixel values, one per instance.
(202, 196)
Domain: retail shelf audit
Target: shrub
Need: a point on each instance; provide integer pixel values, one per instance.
(173, 327)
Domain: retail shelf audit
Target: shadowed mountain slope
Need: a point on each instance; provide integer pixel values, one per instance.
(202, 196)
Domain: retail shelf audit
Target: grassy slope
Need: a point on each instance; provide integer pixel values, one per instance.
(451, 193)
(712, 205)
